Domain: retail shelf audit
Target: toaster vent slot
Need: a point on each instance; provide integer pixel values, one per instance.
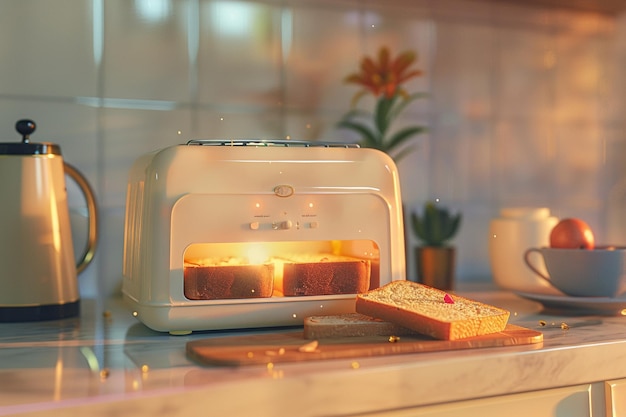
(271, 143)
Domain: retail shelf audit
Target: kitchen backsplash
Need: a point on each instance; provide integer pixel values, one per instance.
(524, 109)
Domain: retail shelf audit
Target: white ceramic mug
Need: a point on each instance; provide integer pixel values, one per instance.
(510, 234)
(599, 272)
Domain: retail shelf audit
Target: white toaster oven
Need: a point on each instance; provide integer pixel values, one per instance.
(244, 234)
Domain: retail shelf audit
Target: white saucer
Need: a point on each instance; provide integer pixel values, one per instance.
(578, 305)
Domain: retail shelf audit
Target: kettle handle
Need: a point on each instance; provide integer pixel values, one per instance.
(90, 248)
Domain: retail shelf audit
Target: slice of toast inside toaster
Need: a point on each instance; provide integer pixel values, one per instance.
(278, 275)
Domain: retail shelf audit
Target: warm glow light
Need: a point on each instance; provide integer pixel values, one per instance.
(257, 254)
(58, 377)
(278, 374)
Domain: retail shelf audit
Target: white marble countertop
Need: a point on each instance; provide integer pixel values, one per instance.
(107, 363)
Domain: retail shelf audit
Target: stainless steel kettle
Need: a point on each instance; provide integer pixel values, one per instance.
(38, 268)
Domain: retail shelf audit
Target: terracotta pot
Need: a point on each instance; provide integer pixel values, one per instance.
(435, 266)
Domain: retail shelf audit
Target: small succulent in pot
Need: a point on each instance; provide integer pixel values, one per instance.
(434, 259)
(436, 225)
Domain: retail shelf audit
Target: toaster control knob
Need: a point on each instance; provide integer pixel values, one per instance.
(254, 225)
(284, 225)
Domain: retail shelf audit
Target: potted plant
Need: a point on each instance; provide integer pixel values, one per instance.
(383, 77)
(435, 259)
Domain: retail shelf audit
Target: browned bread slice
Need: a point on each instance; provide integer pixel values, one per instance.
(431, 311)
(227, 279)
(324, 274)
(350, 325)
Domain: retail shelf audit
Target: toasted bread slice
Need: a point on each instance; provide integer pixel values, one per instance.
(431, 311)
(351, 325)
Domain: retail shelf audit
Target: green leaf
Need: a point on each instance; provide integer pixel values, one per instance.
(456, 224)
(369, 137)
(373, 127)
(383, 109)
(403, 103)
(417, 223)
(357, 113)
(403, 135)
(436, 225)
(404, 152)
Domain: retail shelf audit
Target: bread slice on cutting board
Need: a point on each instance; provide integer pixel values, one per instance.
(431, 311)
(351, 325)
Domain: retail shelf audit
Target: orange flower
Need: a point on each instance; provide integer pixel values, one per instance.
(385, 76)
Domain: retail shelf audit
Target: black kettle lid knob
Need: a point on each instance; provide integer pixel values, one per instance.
(25, 127)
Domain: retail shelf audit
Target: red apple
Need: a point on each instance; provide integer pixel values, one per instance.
(572, 233)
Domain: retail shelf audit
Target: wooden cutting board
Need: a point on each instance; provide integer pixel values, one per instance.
(262, 349)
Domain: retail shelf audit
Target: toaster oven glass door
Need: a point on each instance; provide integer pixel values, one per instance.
(216, 271)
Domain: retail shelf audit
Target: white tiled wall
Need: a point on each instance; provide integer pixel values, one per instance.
(525, 104)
